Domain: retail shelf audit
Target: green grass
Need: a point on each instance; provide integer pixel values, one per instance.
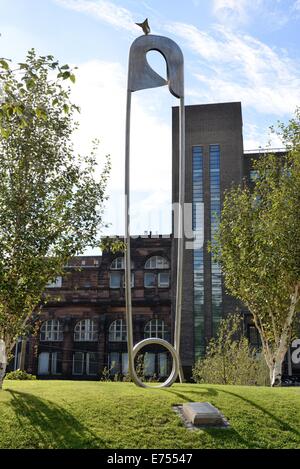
(70, 414)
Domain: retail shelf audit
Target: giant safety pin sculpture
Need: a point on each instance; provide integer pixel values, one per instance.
(142, 76)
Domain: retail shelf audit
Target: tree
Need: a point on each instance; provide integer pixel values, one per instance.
(51, 200)
(229, 358)
(258, 246)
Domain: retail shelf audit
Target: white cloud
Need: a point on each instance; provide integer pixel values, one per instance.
(296, 5)
(117, 16)
(100, 91)
(238, 67)
(257, 136)
(232, 10)
(273, 13)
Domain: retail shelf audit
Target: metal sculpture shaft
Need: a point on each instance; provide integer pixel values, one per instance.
(141, 76)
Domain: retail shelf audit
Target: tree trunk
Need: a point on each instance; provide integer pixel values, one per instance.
(23, 354)
(276, 363)
(3, 362)
(275, 373)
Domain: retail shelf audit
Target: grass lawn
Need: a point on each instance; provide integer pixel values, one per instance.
(72, 414)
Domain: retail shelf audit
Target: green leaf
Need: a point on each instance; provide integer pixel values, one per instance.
(4, 132)
(66, 75)
(30, 84)
(72, 78)
(41, 114)
(4, 64)
(66, 108)
(23, 66)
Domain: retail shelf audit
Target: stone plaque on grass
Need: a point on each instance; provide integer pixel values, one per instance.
(202, 413)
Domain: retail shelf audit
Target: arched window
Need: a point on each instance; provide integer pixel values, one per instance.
(118, 331)
(157, 262)
(118, 263)
(85, 331)
(51, 330)
(156, 328)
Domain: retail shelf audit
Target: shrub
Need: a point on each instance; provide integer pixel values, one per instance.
(19, 374)
(105, 374)
(230, 359)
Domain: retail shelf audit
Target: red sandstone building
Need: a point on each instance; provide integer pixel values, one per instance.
(82, 329)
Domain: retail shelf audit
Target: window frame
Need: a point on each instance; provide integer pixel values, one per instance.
(113, 330)
(82, 364)
(147, 275)
(158, 323)
(161, 284)
(149, 263)
(50, 332)
(91, 331)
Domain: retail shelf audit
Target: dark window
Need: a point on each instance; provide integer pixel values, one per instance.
(149, 280)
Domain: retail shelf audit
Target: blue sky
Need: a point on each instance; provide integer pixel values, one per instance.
(235, 50)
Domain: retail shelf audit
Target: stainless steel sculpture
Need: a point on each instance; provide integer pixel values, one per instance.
(142, 76)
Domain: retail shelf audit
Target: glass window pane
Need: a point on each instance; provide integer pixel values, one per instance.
(115, 280)
(124, 363)
(114, 364)
(149, 280)
(132, 280)
(162, 364)
(78, 358)
(91, 364)
(157, 262)
(43, 365)
(163, 279)
(118, 331)
(149, 364)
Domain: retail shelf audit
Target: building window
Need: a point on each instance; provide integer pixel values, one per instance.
(91, 364)
(156, 328)
(117, 279)
(149, 364)
(162, 364)
(85, 331)
(132, 280)
(117, 331)
(50, 363)
(149, 280)
(51, 331)
(118, 263)
(198, 264)
(163, 279)
(85, 363)
(156, 364)
(78, 362)
(215, 213)
(118, 363)
(253, 175)
(157, 262)
(57, 283)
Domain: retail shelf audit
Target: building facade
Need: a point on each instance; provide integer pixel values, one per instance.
(82, 330)
(214, 161)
